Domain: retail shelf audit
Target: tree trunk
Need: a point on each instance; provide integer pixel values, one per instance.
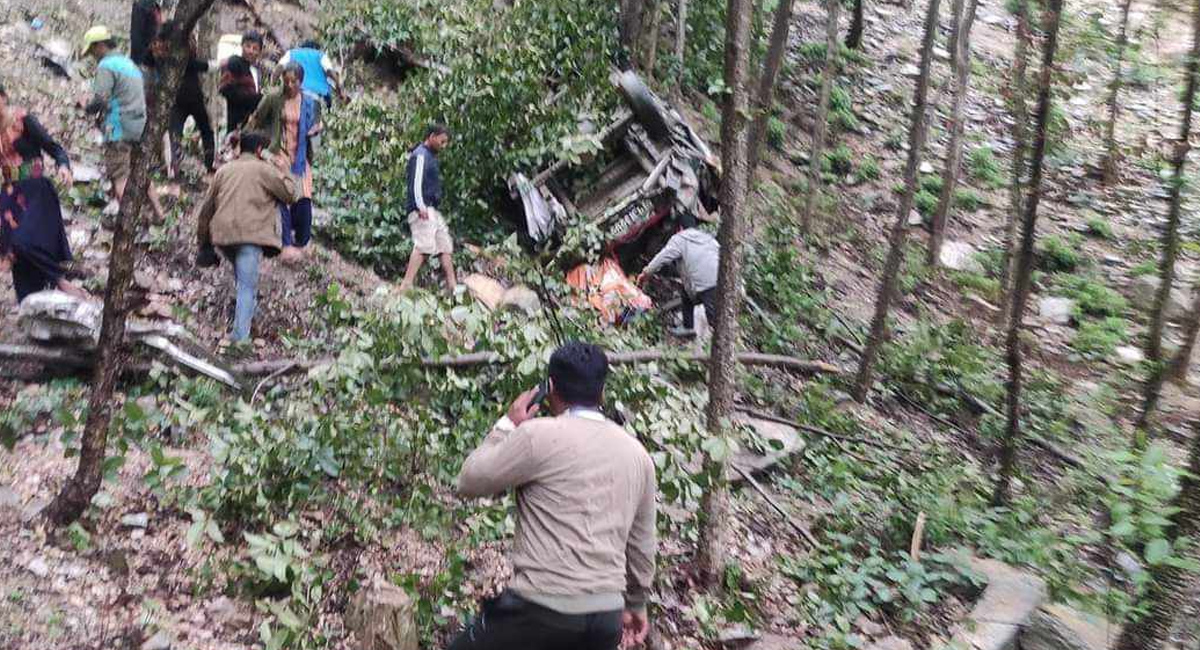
(650, 38)
(962, 78)
(1112, 156)
(855, 35)
(1016, 190)
(821, 125)
(75, 496)
(735, 143)
(1167, 596)
(681, 42)
(629, 29)
(765, 100)
(1178, 369)
(917, 131)
(1170, 242)
(1024, 266)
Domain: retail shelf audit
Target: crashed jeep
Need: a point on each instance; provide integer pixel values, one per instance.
(652, 165)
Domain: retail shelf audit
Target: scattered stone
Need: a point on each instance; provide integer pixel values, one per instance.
(776, 642)
(33, 509)
(1143, 290)
(136, 520)
(992, 19)
(926, 167)
(487, 290)
(521, 298)
(1130, 566)
(160, 641)
(941, 54)
(1129, 355)
(38, 567)
(869, 627)
(1008, 602)
(78, 238)
(9, 499)
(915, 218)
(81, 173)
(892, 643)
(782, 441)
(382, 617)
(959, 256)
(910, 70)
(1058, 627)
(1056, 310)
(737, 635)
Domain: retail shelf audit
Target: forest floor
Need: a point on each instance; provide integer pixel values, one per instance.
(130, 575)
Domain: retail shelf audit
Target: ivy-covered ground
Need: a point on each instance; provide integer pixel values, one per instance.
(244, 520)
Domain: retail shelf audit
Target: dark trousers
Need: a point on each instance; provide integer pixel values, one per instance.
(33, 271)
(297, 223)
(708, 298)
(510, 622)
(196, 110)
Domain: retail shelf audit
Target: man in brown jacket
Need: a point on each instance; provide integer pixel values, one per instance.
(240, 217)
(583, 557)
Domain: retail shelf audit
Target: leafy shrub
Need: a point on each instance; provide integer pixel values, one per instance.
(1098, 227)
(838, 161)
(1092, 297)
(925, 203)
(988, 288)
(779, 280)
(984, 167)
(1145, 267)
(776, 132)
(1058, 255)
(931, 184)
(1099, 337)
(967, 199)
(841, 110)
(868, 169)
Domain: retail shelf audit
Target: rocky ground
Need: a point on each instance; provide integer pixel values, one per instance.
(129, 580)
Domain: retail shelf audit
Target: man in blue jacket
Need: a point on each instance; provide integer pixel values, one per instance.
(431, 235)
(320, 74)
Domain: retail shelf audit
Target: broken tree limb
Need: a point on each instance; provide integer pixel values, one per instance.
(45, 355)
(648, 356)
(804, 532)
(817, 431)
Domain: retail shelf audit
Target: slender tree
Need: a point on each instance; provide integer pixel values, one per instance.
(681, 41)
(821, 125)
(1168, 594)
(1111, 156)
(764, 101)
(1020, 128)
(917, 130)
(735, 144)
(855, 35)
(651, 36)
(629, 28)
(75, 496)
(962, 76)
(1170, 239)
(1178, 369)
(1024, 266)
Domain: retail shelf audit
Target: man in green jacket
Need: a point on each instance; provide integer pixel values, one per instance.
(240, 217)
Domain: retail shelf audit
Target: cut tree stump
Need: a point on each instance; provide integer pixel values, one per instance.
(382, 617)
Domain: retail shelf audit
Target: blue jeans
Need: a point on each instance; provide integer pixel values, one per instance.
(297, 223)
(246, 259)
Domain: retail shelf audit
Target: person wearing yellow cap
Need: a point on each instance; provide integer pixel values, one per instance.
(119, 98)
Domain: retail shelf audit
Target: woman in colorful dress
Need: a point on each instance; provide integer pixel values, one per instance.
(33, 242)
(292, 118)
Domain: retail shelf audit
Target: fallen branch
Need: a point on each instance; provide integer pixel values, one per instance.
(46, 355)
(980, 406)
(271, 33)
(804, 532)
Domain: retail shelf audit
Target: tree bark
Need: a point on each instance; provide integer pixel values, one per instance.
(629, 28)
(1169, 586)
(962, 78)
(765, 100)
(1016, 190)
(1170, 243)
(1178, 369)
(650, 38)
(917, 132)
(75, 496)
(821, 124)
(1024, 266)
(854, 36)
(681, 43)
(714, 519)
(1112, 157)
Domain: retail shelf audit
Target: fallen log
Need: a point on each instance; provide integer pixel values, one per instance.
(45, 355)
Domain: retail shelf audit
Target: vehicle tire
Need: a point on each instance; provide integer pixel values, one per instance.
(646, 106)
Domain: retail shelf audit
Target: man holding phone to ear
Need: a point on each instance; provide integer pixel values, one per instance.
(583, 558)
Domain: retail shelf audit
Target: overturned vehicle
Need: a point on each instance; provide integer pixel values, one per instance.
(652, 168)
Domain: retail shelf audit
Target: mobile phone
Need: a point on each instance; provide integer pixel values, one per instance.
(543, 390)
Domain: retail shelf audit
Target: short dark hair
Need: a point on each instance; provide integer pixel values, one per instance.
(252, 142)
(110, 43)
(578, 371)
(294, 68)
(310, 44)
(437, 128)
(237, 65)
(687, 219)
(253, 37)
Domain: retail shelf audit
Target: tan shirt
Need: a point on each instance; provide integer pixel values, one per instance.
(585, 539)
(242, 205)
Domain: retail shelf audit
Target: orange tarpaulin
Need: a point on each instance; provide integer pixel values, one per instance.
(608, 290)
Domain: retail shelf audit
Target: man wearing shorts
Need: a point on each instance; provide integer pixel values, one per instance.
(430, 234)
